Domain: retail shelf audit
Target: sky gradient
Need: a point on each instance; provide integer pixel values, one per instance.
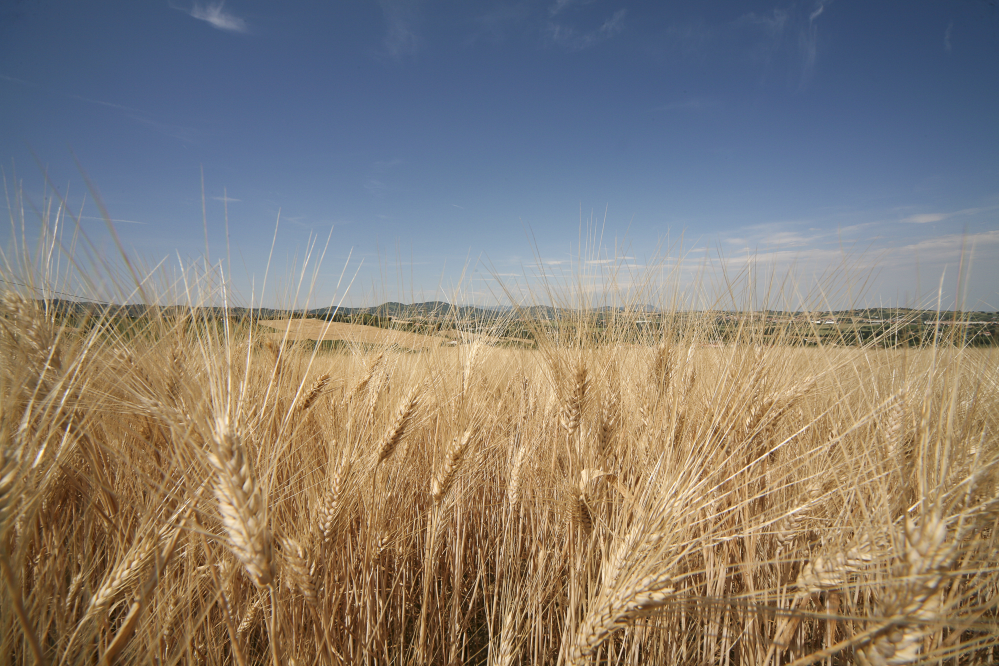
(450, 139)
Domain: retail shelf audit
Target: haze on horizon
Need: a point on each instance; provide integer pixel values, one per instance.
(451, 145)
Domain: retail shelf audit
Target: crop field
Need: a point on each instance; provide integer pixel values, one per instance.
(319, 330)
(196, 492)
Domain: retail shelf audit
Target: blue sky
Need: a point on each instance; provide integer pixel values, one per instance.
(450, 139)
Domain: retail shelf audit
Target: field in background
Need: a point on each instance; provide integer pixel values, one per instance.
(177, 488)
(317, 329)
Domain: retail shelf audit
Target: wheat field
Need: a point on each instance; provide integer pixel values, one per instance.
(186, 490)
(181, 486)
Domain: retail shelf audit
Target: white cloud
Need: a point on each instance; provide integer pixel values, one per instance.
(227, 198)
(214, 13)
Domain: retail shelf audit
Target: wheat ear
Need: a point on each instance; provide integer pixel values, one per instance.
(617, 610)
(251, 616)
(662, 369)
(10, 477)
(580, 511)
(329, 506)
(608, 422)
(276, 351)
(469, 368)
(516, 476)
(127, 570)
(445, 477)
(310, 397)
(241, 504)
(573, 409)
(397, 430)
(825, 573)
(366, 379)
(896, 426)
(919, 602)
(300, 570)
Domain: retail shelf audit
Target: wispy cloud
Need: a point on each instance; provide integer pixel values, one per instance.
(948, 247)
(808, 41)
(457, 206)
(401, 38)
(561, 5)
(947, 33)
(230, 199)
(772, 23)
(689, 104)
(819, 8)
(931, 218)
(376, 187)
(13, 79)
(110, 105)
(185, 134)
(113, 219)
(179, 132)
(573, 40)
(495, 24)
(214, 13)
(926, 218)
(381, 166)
